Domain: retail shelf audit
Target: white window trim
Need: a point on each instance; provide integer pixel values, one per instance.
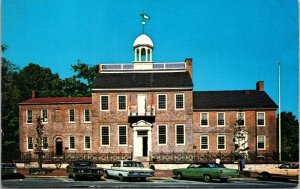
(84, 146)
(101, 103)
(183, 134)
(43, 117)
(264, 119)
(119, 135)
(264, 142)
(118, 103)
(85, 115)
(207, 119)
(183, 99)
(27, 143)
(70, 116)
(27, 117)
(224, 119)
(69, 138)
(43, 143)
(207, 142)
(237, 116)
(157, 104)
(108, 135)
(224, 142)
(158, 135)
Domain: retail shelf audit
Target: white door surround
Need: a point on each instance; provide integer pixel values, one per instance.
(142, 139)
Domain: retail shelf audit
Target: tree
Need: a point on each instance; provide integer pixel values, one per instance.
(9, 106)
(289, 137)
(86, 72)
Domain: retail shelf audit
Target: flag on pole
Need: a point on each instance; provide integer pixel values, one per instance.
(145, 17)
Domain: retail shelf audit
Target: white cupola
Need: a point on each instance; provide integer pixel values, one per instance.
(143, 47)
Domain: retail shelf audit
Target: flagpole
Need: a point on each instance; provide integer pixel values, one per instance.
(279, 115)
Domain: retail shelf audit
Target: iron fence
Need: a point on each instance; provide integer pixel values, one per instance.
(67, 157)
(175, 157)
(163, 158)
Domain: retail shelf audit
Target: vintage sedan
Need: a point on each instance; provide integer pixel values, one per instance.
(8, 170)
(128, 169)
(286, 171)
(84, 169)
(206, 171)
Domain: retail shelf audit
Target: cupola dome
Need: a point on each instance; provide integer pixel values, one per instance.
(143, 40)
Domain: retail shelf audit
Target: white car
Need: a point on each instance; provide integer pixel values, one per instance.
(124, 169)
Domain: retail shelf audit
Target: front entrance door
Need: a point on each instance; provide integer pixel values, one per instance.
(145, 146)
(141, 104)
(58, 147)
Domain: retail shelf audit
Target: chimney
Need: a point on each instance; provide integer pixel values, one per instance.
(260, 86)
(33, 94)
(188, 62)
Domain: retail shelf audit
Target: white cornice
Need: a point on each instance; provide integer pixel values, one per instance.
(144, 89)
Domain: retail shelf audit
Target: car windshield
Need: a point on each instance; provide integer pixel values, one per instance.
(83, 163)
(132, 164)
(215, 165)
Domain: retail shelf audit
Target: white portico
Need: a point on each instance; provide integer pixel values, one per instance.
(142, 137)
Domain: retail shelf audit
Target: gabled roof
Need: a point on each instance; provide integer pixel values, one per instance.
(58, 100)
(238, 99)
(129, 80)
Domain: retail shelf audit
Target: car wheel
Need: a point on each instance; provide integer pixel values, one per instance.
(224, 179)
(265, 176)
(179, 176)
(122, 178)
(207, 178)
(143, 178)
(107, 175)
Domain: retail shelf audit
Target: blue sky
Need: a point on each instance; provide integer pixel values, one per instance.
(233, 43)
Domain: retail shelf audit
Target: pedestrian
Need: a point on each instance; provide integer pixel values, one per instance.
(218, 161)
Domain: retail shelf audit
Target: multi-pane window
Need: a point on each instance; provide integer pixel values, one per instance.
(204, 142)
(87, 142)
(72, 144)
(104, 103)
(122, 102)
(241, 118)
(261, 142)
(122, 135)
(105, 135)
(204, 119)
(29, 116)
(221, 119)
(260, 118)
(44, 116)
(45, 143)
(179, 134)
(162, 101)
(29, 143)
(162, 134)
(87, 116)
(221, 142)
(179, 101)
(71, 115)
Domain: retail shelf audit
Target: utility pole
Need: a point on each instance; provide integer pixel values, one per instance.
(279, 115)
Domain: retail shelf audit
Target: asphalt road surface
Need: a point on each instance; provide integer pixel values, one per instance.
(64, 182)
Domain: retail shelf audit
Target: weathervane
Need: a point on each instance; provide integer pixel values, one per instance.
(145, 17)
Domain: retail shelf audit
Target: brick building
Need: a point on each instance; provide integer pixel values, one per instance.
(148, 108)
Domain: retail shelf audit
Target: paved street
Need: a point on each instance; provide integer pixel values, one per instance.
(64, 182)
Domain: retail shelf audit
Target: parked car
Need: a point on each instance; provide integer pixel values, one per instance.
(10, 170)
(286, 170)
(84, 169)
(206, 171)
(124, 169)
